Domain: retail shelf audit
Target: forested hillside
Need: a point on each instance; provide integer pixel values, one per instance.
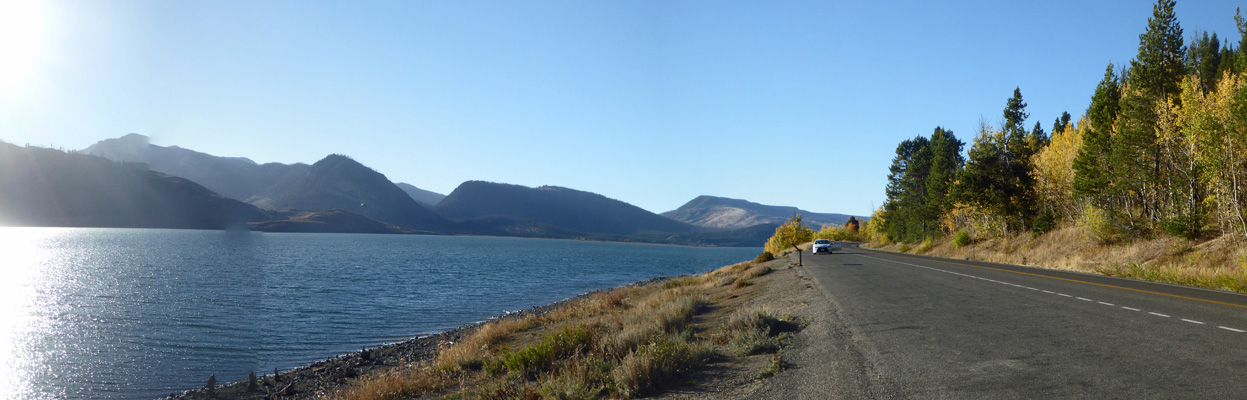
(1161, 150)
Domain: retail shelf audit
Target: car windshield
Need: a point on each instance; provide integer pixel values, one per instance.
(822, 241)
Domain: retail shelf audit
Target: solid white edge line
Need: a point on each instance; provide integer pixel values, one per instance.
(1193, 321)
(1158, 314)
(1232, 329)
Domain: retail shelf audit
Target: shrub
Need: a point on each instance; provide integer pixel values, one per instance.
(649, 366)
(1096, 225)
(764, 257)
(961, 239)
(925, 246)
(537, 359)
(1044, 223)
(752, 331)
(680, 282)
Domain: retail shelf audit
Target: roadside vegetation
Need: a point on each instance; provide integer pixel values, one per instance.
(1150, 183)
(621, 343)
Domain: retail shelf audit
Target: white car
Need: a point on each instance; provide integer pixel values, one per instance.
(824, 245)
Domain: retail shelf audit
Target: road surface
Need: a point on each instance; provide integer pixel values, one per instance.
(934, 328)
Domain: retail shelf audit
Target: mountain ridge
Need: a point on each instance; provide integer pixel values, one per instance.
(728, 213)
(571, 209)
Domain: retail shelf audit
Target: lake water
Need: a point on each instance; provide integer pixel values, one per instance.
(143, 313)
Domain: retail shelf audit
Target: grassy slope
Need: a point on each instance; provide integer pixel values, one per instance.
(1219, 263)
(621, 343)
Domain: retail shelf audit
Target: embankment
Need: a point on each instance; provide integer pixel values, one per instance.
(716, 335)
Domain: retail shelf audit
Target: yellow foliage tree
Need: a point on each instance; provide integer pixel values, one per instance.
(791, 233)
(1054, 169)
(1216, 126)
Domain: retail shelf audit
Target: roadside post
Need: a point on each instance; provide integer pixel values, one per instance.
(798, 255)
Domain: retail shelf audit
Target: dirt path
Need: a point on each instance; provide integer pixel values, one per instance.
(822, 360)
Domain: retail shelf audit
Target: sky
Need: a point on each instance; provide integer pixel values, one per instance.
(649, 102)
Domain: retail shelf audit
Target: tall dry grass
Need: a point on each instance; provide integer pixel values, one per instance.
(1220, 263)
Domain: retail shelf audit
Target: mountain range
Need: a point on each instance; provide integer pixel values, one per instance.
(338, 194)
(724, 213)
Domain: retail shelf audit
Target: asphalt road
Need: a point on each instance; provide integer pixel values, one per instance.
(935, 328)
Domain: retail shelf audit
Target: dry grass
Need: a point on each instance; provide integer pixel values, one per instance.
(618, 343)
(1219, 263)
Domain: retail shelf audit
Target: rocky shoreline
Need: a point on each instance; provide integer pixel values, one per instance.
(325, 376)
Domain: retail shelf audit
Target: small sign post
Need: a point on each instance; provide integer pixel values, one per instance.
(799, 264)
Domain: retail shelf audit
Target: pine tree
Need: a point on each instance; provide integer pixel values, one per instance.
(1240, 62)
(1205, 60)
(1158, 68)
(946, 161)
(1153, 81)
(906, 190)
(980, 182)
(1058, 126)
(1037, 138)
(1092, 170)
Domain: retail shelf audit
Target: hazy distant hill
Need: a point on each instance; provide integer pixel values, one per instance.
(338, 182)
(234, 177)
(335, 183)
(552, 207)
(725, 213)
(45, 187)
(424, 197)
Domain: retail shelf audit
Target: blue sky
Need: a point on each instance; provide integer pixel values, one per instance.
(652, 103)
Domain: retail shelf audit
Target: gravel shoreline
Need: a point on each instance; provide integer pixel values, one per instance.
(325, 376)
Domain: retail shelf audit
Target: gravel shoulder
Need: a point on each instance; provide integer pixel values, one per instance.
(822, 361)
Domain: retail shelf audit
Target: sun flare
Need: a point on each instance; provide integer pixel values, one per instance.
(23, 40)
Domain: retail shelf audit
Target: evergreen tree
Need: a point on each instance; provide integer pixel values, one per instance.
(980, 183)
(1240, 63)
(1058, 126)
(1037, 138)
(1018, 147)
(946, 161)
(1092, 170)
(1205, 60)
(907, 179)
(1228, 59)
(1158, 68)
(1154, 79)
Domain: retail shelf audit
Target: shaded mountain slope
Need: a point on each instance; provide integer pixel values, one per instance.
(234, 177)
(725, 213)
(424, 197)
(338, 182)
(553, 206)
(45, 187)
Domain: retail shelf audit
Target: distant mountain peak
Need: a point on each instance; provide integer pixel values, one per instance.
(728, 213)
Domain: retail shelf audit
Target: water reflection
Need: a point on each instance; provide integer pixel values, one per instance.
(22, 254)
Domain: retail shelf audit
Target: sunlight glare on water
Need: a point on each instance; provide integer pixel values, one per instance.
(21, 254)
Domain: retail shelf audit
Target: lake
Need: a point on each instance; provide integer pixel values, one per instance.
(142, 313)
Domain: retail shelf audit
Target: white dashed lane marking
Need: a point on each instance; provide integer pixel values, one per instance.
(1051, 292)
